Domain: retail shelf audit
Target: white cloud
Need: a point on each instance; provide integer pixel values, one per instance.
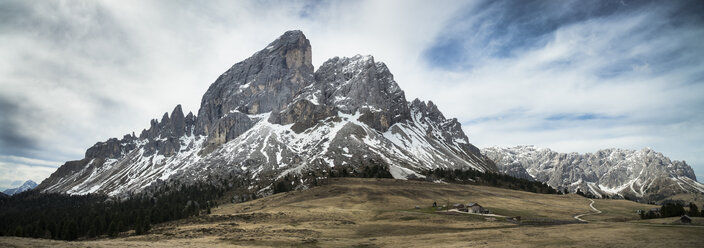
(12, 172)
(31, 161)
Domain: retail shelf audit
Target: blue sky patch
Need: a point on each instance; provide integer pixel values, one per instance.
(501, 29)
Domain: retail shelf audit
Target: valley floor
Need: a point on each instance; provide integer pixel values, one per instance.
(382, 213)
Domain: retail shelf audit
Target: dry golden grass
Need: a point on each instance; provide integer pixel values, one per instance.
(696, 221)
(617, 210)
(381, 213)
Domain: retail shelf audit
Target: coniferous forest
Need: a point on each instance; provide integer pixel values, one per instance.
(673, 209)
(68, 217)
(488, 179)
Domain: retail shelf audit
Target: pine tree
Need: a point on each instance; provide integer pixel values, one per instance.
(72, 231)
(112, 229)
(139, 228)
(120, 226)
(693, 210)
(93, 230)
(53, 229)
(18, 231)
(147, 224)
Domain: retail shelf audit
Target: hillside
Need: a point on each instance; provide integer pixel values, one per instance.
(352, 212)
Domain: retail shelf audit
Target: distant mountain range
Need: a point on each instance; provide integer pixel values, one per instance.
(637, 174)
(27, 185)
(273, 115)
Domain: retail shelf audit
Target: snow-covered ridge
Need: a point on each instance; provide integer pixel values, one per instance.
(27, 185)
(635, 173)
(271, 115)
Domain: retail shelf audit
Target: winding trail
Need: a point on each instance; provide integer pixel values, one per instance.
(596, 211)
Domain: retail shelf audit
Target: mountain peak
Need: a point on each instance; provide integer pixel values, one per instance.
(294, 46)
(27, 185)
(177, 111)
(272, 114)
(294, 34)
(263, 83)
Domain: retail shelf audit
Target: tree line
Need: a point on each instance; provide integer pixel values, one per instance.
(672, 209)
(292, 181)
(489, 179)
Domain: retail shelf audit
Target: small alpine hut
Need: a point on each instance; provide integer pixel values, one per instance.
(474, 207)
(685, 219)
(655, 211)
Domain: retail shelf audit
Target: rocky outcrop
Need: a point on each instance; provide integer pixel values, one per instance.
(359, 84)
(643, 174)
(163, 137)
(112, 148)
(348, 85)
(265, 82)
(272, 115)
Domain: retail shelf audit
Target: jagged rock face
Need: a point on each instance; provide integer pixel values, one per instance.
(644, 174)
(272, 115)
(348, 85)
(360, 84)
(112, 148)
(163, 136)
(263, 83)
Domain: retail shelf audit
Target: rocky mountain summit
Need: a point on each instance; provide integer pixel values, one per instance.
(637, 174)
(273, 115)
(27, 185)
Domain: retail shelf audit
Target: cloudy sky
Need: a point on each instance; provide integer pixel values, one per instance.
(575, 76)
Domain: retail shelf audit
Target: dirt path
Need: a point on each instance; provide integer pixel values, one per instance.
(596, 211)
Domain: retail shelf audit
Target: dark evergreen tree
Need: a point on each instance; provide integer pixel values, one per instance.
(112, 229)
(693, 210)
(672, 210)
(139, 226)
(71, 231)
(147, 225)
(93, 230)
